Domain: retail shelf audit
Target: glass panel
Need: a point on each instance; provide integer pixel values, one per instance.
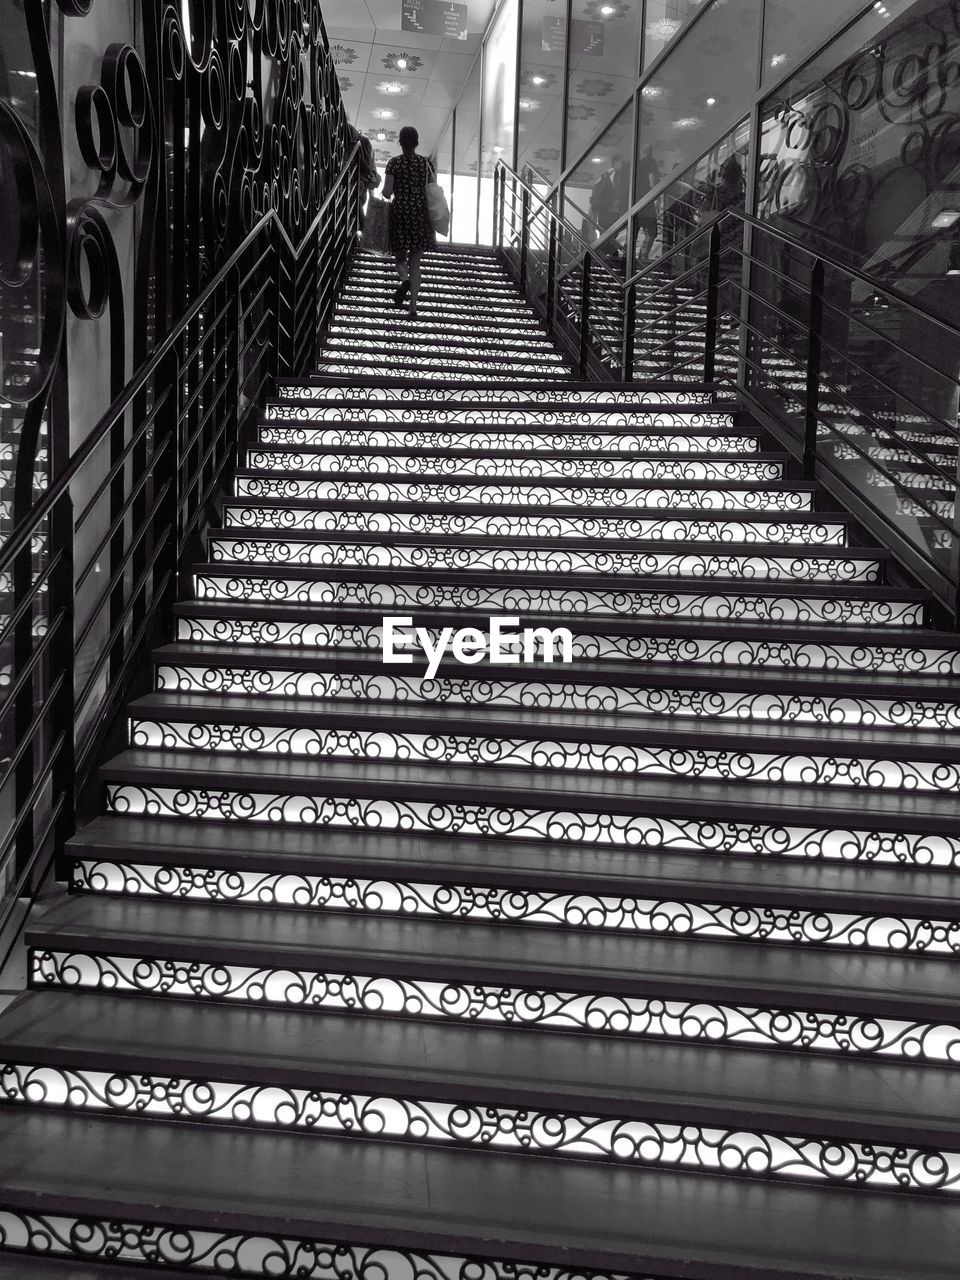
(792, 30)
(597, 193)
(665, 22)
(540, 124)
(443, 160)
(700, 91)
(859, 160)
(463, 221)
(604, 56)
(499, 100)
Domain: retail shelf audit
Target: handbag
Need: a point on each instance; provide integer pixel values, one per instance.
(438, 211)
(376, 227)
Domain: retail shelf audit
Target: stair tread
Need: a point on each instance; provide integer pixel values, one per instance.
(564, 867)
(409, 1197)
(607, 1076)
(573, 790)
(842, 981)
(428, 717)
(586, 671)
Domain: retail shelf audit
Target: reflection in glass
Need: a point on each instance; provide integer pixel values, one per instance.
(540, 121)
(700, 91)
(596, 195)
(792, 30)
(664, 23)
(443, 160)
(604, 52)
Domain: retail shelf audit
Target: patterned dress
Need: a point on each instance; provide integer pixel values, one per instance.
(410, 229)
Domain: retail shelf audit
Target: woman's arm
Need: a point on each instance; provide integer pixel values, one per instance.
(387, 191)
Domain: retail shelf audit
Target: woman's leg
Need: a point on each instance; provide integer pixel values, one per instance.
(414, 279)
(403, 271)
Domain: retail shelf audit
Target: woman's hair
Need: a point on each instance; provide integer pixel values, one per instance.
(409, 138)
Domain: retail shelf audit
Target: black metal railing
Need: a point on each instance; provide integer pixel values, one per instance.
(860, 382)
(92, 571)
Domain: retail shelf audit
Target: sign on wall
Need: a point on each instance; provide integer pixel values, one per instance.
(434, 18)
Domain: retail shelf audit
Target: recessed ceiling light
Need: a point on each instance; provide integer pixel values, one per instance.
(498, 150)
(664, 28)
(947, 218)
(607, 10)
(777, 59)
(596, 159)
(528, 104)
(687, 122)
(391, 86)
(651, 91)
(381, 136)
(711, 102)
(382, 113)
(402, 64)
(537, 80)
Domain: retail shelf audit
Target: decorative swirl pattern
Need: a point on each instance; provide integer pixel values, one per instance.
(743, 922)
(587, 418)
(525, 495)
(393, 348)
(338, 393)
(450, 371)
(561, 694)
(735, 764)
(813, 532)
(215, 1251)
(452, 1000)
(619, 1140)
(620, 830)
(739, 470)
(753, 566)
(658, 603)
(730, 651)
(514, 441)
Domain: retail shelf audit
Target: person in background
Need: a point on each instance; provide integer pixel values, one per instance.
(411, 234)
(648, 175)
(368, 174)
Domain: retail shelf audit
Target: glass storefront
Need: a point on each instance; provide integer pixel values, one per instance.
(499, 97)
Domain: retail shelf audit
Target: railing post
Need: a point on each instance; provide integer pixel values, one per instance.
(524, 237)
(814, 357)
(585, 316)
(63, 663)
(713, 305)
(498, 195)
(629, 331)
(552, 249)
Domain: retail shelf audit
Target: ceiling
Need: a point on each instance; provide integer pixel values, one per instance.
(367, 42)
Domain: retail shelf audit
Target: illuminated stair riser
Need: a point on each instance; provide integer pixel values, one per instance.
(244, 584)
(626, 1140)
(771, 532)
(617, 830)
(765, 654)
(345, 392)
(232, 677)
(739, 764)
(469, 1002)
(493, 441)
(359, 466)
(524, 907)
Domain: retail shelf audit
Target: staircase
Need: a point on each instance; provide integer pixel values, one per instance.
(640, 962)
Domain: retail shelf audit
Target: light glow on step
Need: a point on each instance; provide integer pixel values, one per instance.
(563, 694)
(736, 764)
(617, 830)
(770, 654)
(667, 917)
(477, 1003)
(362, 465)
(658, 602)
(771, 532)
(486, 1126)
(753, 566)
(503, 493)
(574, 421)
(244, 1253)
(345, 392)
(521, 442)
